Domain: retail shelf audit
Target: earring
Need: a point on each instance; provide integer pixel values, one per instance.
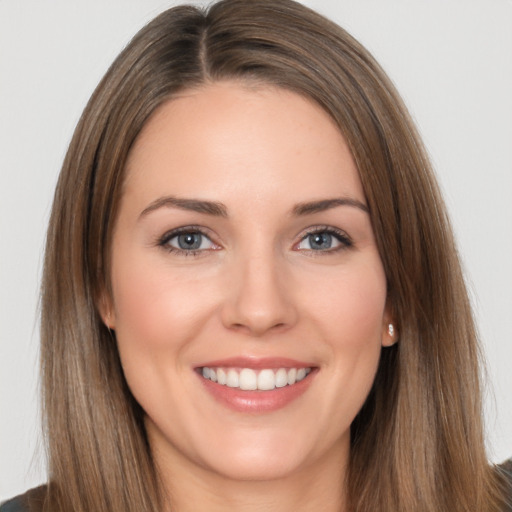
(391, 330)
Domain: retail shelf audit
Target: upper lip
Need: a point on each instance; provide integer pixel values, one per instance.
(256, 363)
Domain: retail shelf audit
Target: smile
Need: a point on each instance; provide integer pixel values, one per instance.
(247, 379)
(256, 385)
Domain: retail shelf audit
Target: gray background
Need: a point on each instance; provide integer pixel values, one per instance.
(452, 62)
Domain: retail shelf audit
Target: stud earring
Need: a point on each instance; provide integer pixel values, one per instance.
(391, 330)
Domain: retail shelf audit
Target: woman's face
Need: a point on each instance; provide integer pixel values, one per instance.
(243, 257)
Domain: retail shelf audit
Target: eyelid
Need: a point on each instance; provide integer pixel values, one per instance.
(163, 240)
(340, 235)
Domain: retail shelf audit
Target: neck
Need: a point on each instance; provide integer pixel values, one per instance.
(319, 486)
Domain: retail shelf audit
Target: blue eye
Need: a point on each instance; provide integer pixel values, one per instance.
(320, 241)
(326, 240)
(186, 242)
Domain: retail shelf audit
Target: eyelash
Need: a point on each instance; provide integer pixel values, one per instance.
(163, 241)
(344, 240)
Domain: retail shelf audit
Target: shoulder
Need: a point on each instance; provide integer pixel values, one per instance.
(31, 501)
(505, 470)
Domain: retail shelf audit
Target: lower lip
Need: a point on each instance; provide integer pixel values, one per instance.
(257, 401)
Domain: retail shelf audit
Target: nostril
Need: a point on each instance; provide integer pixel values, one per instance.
(257, 301)
(253, 329)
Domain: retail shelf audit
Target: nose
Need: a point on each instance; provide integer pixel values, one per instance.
(259, 298)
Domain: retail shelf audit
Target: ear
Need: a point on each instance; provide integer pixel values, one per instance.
(389, 334)
(106, 310)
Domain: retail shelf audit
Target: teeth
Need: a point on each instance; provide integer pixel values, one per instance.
(281, 378)
(222, 378)
(232, 379)
(266, 380)
(248, 379)
(301, 373)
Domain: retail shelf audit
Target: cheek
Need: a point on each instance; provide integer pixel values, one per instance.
(350, 306)
(155, 307)
(158, 313)
(350, 316)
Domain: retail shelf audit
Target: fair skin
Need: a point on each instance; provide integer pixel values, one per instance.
(274, 267)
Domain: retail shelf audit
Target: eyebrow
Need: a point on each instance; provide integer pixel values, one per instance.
(195, 205)
(311, 207)
(220, 210)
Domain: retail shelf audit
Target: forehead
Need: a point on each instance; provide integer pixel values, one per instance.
(210, 140)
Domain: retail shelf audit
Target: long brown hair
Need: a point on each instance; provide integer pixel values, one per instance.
(417, 443)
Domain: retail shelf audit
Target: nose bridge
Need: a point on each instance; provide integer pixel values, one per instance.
(259, 300)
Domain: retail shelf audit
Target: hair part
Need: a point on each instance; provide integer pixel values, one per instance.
(417, 443)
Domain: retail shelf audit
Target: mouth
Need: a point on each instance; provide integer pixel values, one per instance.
(256, 386)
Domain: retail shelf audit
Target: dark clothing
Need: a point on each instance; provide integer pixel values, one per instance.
(32, 501)
(506, 468)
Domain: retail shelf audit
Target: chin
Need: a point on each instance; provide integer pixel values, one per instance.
(254, 465)
(266, 454)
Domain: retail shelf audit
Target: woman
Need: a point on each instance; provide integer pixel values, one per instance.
(251, 296)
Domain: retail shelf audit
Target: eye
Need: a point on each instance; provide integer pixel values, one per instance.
(187, 241)
(324, 240)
